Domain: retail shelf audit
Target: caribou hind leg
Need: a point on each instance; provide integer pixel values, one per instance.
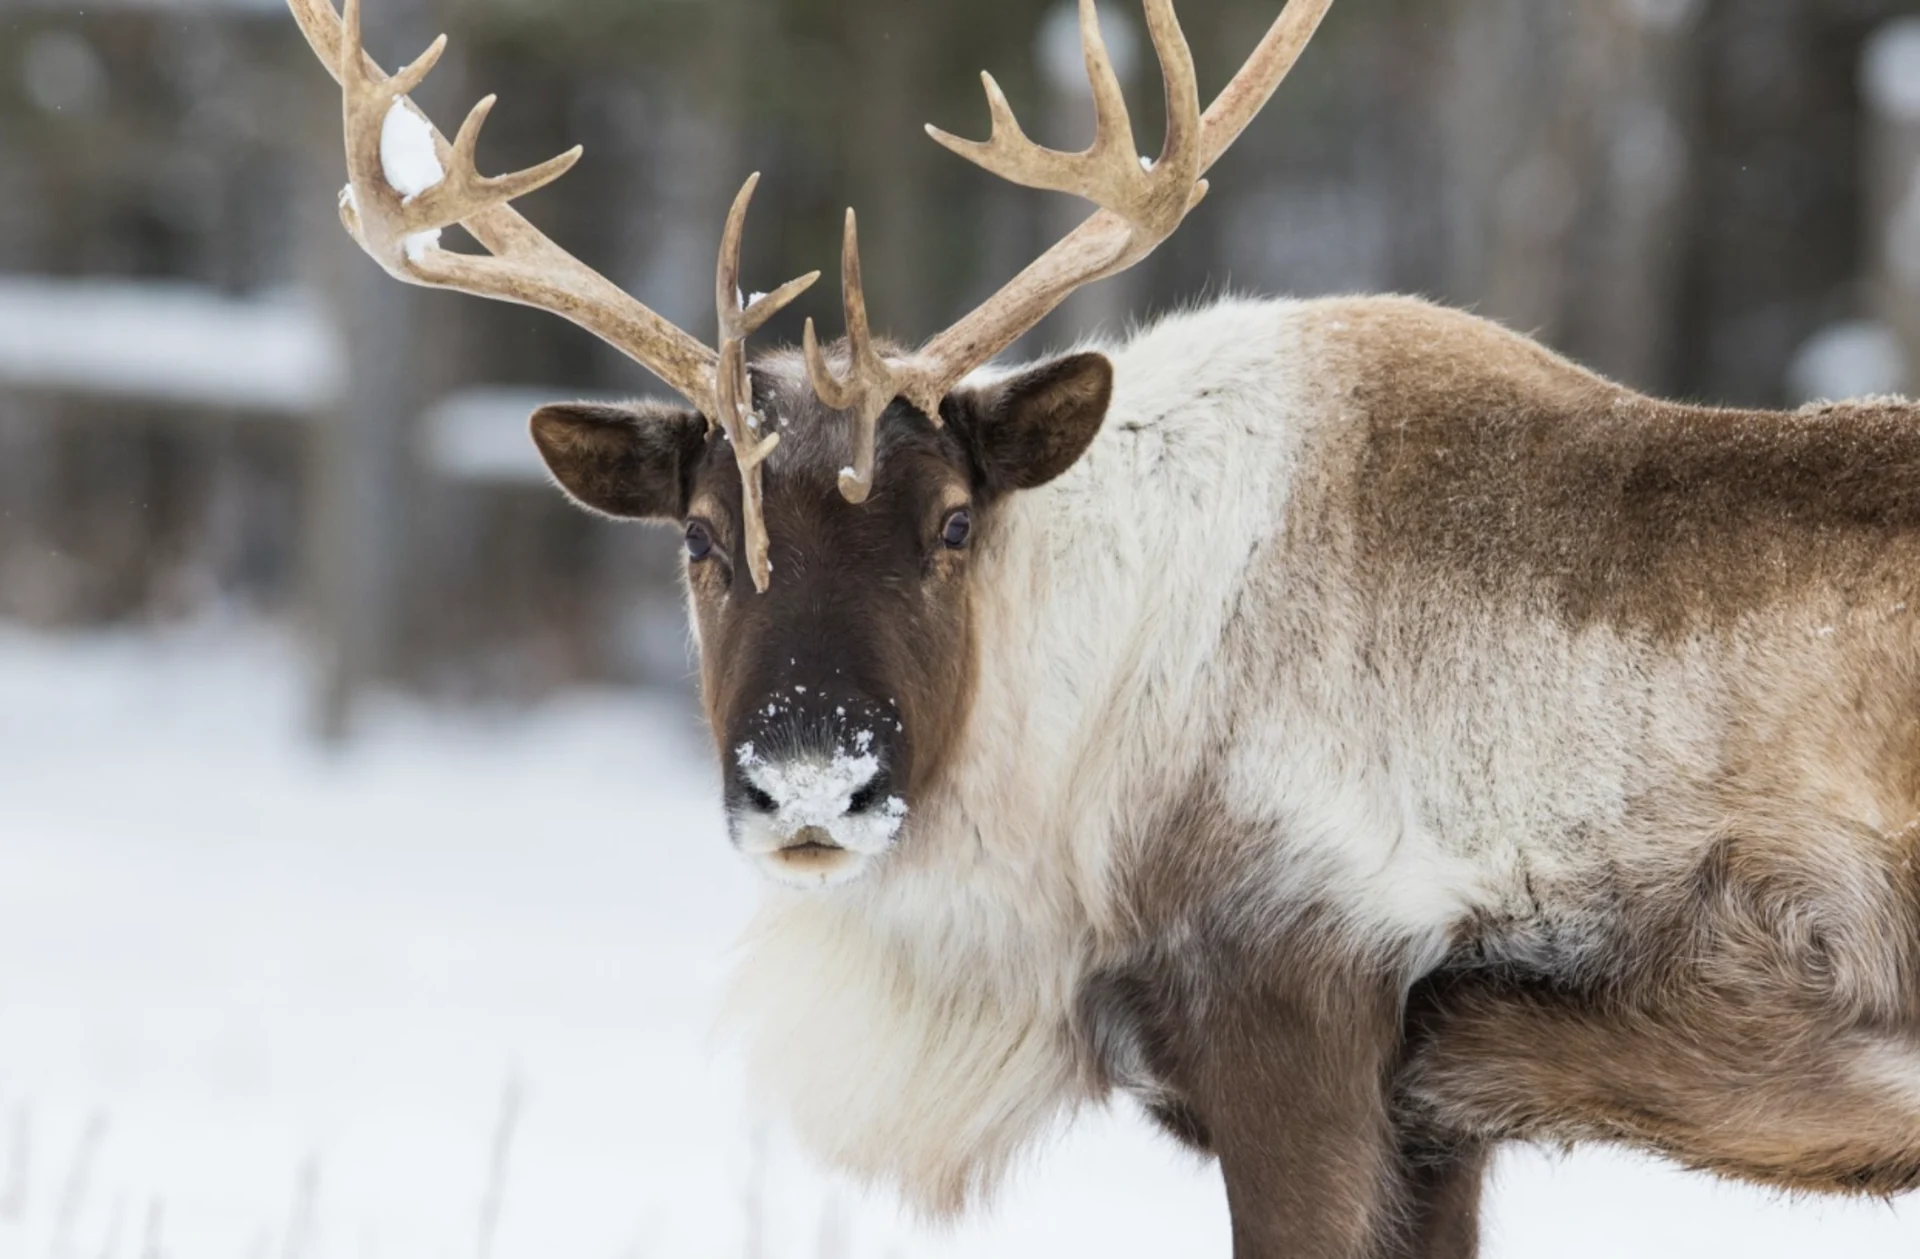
(1772, 1095)
(1767, 1026)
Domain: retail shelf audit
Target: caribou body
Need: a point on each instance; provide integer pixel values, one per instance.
(1385, 739)
(1346, 726)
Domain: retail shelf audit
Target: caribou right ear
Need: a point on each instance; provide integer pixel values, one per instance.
(633, 463)
(1029, 428)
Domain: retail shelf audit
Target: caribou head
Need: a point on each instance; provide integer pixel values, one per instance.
(832, 501)
(836, 694)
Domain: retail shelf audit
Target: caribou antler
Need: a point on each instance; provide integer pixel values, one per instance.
(1152, 196)
(406, 183)
(1141, 203)
(870, 383)
(740, 319)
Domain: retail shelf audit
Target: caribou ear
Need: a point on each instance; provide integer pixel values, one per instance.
(634, 463)
(1028, 429)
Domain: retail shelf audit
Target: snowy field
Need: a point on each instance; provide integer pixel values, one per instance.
(450, 992)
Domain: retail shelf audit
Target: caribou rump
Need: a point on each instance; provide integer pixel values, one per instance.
(1348, 727)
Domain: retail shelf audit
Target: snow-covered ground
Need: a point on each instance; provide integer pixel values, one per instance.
(259, 1000)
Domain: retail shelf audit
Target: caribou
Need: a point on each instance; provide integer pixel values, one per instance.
(1347, 727)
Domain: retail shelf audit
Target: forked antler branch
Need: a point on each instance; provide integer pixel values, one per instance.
(1141, 203)
(870, 383)
(1153, 197)
(406, 183)
(525, 266)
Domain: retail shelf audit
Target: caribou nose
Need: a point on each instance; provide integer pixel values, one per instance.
(812, 787)
(813, 800)
(872, 794)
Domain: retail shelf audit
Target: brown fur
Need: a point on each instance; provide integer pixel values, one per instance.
(1277, 1052)
(1756, 998)
(1281, 1070)
(868, 614)
(1741, 992)
(1644, 514)
(1758, 1023)
(1728, 1033)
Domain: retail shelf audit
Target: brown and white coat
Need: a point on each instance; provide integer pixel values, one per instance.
(1388, 739)
(1357, 732)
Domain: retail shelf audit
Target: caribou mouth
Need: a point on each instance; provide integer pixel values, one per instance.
(811, 839)
(813, 853)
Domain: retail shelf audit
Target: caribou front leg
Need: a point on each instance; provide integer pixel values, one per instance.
(1291, 1075)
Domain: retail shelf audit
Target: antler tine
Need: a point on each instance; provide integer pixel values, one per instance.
(871, 383)
(416, 74)
(1109, 172)
(740, 319)
(838, 392)
(1182, 87)
(451, 186)
(1141, 202)
(399, 227)
(1144, 202)
(1113, 125)
(497, 189)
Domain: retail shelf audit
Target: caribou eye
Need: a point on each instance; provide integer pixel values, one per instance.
(957, 530)
(699, 541)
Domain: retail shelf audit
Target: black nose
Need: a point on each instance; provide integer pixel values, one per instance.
(795, 741)
(869, 797)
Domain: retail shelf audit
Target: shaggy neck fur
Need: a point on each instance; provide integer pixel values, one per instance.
(917, 1025)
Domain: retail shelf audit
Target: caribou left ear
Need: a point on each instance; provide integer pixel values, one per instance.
(1028, 429)
(634, 463)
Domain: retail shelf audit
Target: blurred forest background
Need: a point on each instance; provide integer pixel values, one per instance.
(212, 405)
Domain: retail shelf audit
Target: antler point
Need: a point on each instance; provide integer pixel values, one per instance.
(854, 488)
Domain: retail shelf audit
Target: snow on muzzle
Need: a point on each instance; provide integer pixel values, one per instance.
(815, 816)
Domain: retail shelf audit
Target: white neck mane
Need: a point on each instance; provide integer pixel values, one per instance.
(915, 1025)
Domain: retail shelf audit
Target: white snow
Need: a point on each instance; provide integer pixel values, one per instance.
(1891, 71)
(247, 980)
(818, 793)
(407, 155)
(167, 342)
(419, 243)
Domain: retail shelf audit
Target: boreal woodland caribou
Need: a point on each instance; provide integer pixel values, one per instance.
(1356, 732)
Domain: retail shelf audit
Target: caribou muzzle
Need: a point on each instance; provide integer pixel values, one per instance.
(811, 789)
